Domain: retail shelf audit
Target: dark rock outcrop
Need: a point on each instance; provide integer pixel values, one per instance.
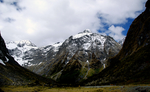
(3, 49)
(147, 5)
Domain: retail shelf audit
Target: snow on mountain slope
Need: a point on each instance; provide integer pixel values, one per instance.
(82, 47)
(81, 34)
(22, 43)
(72, 54)
(56, 46)
(26, 53)
(18, 49)
(2, 62)
(121, 41)
(86, 41)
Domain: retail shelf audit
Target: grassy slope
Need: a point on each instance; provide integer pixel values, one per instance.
(17, 75)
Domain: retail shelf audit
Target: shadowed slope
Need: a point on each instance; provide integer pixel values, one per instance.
(132, 64)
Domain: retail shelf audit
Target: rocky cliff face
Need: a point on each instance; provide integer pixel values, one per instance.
(132, 63)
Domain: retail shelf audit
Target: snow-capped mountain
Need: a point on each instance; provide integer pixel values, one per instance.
(88, 42)
(78, 49)
(18, 49)
(27, 53)
(85, 50)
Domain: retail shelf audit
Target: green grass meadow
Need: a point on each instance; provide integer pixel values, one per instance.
(125, 88)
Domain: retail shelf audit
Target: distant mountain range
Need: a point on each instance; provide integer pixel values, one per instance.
(25, 52)
(86, 49)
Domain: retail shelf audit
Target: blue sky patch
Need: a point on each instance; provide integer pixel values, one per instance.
(126, 26)
(1, 1)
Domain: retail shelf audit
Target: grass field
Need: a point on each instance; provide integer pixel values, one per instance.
(127, 88)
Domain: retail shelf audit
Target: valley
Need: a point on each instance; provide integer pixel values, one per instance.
(85, 62)
(83, 55)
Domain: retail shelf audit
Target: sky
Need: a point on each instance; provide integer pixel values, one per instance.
(45, 22)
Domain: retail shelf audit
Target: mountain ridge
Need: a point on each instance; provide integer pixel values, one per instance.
(52, 60)
(80, 47)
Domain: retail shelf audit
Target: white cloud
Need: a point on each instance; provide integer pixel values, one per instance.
(47, 21)
(116, 32)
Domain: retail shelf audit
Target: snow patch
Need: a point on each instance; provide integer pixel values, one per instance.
(67, 62)
(104, 65)
(22, 46)
(25, 42)
(86, 46)
(56, 46)
(80, 35)
(87, 31)
(20, 60)
(40, 63)
(100, 38)
(87, 61)
(6, 59)
(2, 62)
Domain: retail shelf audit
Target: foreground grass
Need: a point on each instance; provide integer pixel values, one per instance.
(127, 88)
(47, 89)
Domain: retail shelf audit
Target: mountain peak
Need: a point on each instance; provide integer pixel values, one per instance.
(87, 31)
(22, 43)
(81, 34)
(25, 42)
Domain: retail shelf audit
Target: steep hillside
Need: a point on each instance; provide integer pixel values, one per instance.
(132, 64)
